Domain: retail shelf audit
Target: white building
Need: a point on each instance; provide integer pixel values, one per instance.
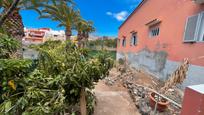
(37, 36)
(55, 35)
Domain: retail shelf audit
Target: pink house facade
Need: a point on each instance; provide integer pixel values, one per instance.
(159, 34)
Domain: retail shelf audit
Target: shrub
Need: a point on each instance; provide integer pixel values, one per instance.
(63, 71)
(8, 46)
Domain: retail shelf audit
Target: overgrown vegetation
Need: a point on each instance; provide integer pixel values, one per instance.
(111, 43)
(59, 79)
(8, 46)
(63, 71)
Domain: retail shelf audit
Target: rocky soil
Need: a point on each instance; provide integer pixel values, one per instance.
(140, 85)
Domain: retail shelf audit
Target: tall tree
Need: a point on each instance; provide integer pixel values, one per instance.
(10, 17)
(80, 26)
(87, 28)
(62, 12)
(11, 20)
(8, 12)
(84, 28)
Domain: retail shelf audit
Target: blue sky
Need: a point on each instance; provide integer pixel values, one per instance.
(107, 15)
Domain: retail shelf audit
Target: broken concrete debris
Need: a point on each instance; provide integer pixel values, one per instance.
(138, 86)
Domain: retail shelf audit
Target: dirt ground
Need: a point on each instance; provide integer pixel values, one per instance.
(113, 100)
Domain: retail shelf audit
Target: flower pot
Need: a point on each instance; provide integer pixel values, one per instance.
(162, 104)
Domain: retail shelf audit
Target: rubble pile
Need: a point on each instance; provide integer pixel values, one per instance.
(109, 81)
(139, 86)
(140, 96)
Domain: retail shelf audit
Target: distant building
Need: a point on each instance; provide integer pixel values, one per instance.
(159, 34)
(92, 37)
(37, 36)
(55, 35)
(34, 36)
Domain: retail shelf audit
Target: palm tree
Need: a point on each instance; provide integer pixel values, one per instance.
(9, 11)
(63, 13)
(84, 28)
(88, 29)
(80, 25)
(11, 19)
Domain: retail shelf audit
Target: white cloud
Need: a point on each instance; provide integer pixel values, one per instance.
(120, 16)
(109, 13)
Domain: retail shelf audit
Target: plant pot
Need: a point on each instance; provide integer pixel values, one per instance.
(162, 104)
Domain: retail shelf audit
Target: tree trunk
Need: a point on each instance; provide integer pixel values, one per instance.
(86, 39)
(68, 33)
(13, 26)
(9, 11)
(79, 38)
(83, 102)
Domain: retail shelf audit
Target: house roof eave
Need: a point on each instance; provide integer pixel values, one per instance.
(143, 1)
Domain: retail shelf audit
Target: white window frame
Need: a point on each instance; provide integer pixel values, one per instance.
(198, 26)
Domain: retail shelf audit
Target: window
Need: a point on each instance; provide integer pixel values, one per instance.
(134, 39)
(154, 31)
(124, 42)
(201, 28)
(194, 30)
(55, 35)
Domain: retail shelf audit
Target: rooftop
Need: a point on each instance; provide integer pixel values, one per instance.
(143, 1)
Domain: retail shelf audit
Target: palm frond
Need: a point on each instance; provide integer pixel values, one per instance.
(61, 12)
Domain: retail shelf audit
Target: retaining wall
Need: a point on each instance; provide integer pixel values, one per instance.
(157, 64)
